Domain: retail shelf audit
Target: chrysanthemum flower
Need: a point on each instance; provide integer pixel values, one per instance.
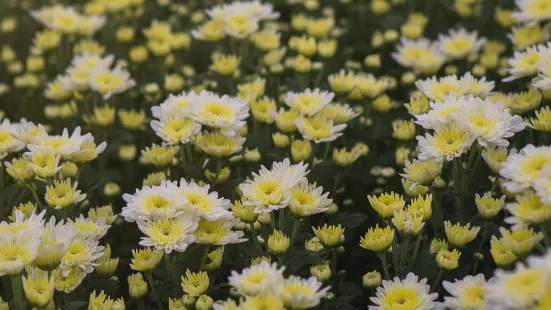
(18, 251)
(487, 206)
(460, 43)
(219, 145)
(521, 240)
(460, 235)
(201, 202)
(152, 201)
(110, 82)
(437, 89)
(377, 239)
(195, 283)
(528, 209)
(448, 141)
(301, 293)
(168, 234)
(82, 253)
(146, 259)
(224, 113)
(307, 199)
(55, 242)
(532, 11)
(524, 168)
(409, 293)
(309, 102)
(408, 224)
(218, 232)
(467, 293)
(518, 289)
(387, 203)
(88, 228)
(38, 286)
(260, 279)
(63, 194)
(8, 143)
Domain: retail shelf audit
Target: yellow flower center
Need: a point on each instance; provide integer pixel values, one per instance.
(157, 202)
(401, 298)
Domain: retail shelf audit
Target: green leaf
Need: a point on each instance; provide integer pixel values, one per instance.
(351, 220)
(301, 258)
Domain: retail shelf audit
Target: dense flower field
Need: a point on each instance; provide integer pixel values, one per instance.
(283, 154)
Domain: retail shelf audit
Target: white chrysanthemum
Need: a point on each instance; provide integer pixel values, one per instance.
(490, 123)
(294, 173)
(518, 289)
(201, 202)
(270, 189)
(532, 11)
(542, 184)
(63, 145)
(87, 228)
(460, 43)
(179, 105)
(543, 80)
(55, 241)
(110, 82)
(17, 251)
(448, 141)
(153, 201)
(309, 102)
(78, 73)
(254, 9)
(176, 129)
(522, 169)
(260, 279)
(28, 132)
(442, 112)
(224, 113)
(168, 234)
(528, 209)
(524, 64)
(477, 87)
(301, 293)
(82, 253)
(409, 293)
(319, 129)
(307, 199)
(437, 89)
(8, 143)
(467, 293)
(420, 55)
(23, 225)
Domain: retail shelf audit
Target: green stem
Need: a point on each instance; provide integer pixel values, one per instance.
(484, 235)
(281, 219)
(403, 264)
(205, 255)
(141, 305)
(415, 251)
(255, 238)
(2, 168)
(404, 253)
(272, 220)
(149, 277)
(170, 272)
(437, 281)
(36, 198)
(334, 263)
(382, 257)
(296, 226)
(17, 288)
(326, 151)
(475, 266)
(395, 252)
(546, 238)
(458, 189)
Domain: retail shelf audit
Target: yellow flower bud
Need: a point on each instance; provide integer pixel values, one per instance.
(321, 272)
(448, 260)
(278, 243)
(137, 287)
